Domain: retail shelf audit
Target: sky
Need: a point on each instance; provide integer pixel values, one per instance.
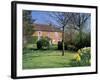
(43, 17)
(39, 16)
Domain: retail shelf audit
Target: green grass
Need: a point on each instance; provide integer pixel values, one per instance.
(33, 59)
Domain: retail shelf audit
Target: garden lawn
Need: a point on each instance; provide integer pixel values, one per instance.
(33, 59)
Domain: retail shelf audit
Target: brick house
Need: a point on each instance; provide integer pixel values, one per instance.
(43, 30)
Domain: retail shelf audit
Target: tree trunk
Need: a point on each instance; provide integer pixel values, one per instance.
(80, 30)
(63, 42)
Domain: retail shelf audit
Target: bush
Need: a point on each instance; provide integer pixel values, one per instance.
(43, 43)
(71, 47)
(85, 53)
(83, 56)
(66, 46)
(60, 45)
(83, 42)
(39, 44)
(32, 39)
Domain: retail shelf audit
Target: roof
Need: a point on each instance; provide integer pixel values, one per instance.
(45, 27)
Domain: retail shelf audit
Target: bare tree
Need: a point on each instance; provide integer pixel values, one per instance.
(62, 19)
(66, 18)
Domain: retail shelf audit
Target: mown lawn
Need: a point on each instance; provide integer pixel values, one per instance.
(46, 59)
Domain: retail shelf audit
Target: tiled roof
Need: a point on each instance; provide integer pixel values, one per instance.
(44, 27)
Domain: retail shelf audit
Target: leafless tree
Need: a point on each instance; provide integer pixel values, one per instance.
(62, 19)
(66, 18)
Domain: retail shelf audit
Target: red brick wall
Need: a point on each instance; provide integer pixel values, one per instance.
(55, 36)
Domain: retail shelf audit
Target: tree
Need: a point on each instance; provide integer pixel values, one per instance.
(70, 34)
(66, 18)
(79, 19)
(27, 26)
(61, 19)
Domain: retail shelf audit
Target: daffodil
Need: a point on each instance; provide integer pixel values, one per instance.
(77, 57)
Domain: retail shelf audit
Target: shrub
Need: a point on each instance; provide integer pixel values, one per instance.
(83, 56)
(71, 47)
(32, 39)
(66, 45)
(43, 43)
(84, 41)
(60, 46)
(85, 53)
(39, 44)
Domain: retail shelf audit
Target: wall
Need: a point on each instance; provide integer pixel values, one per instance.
(52, 35)
(5, 41)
